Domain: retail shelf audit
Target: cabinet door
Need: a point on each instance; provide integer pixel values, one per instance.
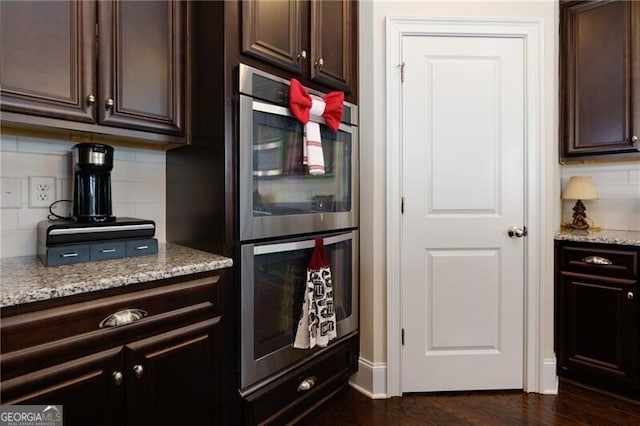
(272, 31)
(174, 377)
(599, 72)
(142, 65)
(333, 29)
(86, 388)
(598, 332)
(48, 56)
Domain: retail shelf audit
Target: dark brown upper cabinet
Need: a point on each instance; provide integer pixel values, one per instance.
(314, 40)
(600, 79)
(100, 67)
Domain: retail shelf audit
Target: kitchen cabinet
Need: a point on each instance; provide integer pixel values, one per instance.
(597, 315)
(316, 41)
(599, 75)
(159, 370)
(114, 68)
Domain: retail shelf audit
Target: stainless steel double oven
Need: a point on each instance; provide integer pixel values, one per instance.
(283, 209)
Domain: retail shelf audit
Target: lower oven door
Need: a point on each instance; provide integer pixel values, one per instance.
(273, 281)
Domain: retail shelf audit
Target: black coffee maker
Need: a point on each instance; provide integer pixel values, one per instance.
(92, 165)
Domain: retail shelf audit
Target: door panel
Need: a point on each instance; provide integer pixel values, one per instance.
(47, 58)
(142, 65)
(463, 185)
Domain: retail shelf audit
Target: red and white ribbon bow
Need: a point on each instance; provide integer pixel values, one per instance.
(303, 106)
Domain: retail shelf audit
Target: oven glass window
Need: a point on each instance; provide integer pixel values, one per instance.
(282, 184)
(279, 282)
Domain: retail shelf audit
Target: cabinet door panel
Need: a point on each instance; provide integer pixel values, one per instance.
(332, 30)
(599, 59)
(84, 387)
(47, 56)
(599, 329)
(142, 65)
(272, 31)
(178, 380)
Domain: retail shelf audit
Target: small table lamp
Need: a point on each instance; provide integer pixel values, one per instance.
(580, 188)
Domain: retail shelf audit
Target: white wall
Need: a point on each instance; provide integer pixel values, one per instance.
(138, 186)
(373, 159)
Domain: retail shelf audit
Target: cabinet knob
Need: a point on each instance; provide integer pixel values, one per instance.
(307, 384)
(91, 100)
(302, 55)
(117, 378)
(630, 295)
(138, 371)
(319, 63)
(634, 139)
(109, 104)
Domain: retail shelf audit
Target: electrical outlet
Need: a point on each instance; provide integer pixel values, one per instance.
(11, 193)
(42, 191)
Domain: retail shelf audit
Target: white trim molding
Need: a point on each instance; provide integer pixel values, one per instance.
(371, 379)
(537, 373)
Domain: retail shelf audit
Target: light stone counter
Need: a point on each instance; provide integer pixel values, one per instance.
(25, 279)
(628, 238)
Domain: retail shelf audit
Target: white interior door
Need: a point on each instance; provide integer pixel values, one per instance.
(463, 183)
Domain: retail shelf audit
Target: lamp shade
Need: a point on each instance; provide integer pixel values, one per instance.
(580, 188)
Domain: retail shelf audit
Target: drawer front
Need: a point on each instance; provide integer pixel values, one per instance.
(107, 250)
(599, 261)
(142, 247)
(67, 255)
(303, 387)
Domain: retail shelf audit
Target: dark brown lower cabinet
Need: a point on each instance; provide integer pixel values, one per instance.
(297, 392)
(160, 370)
(597, 315)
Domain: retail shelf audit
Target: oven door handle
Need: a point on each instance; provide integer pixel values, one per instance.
(299, 245)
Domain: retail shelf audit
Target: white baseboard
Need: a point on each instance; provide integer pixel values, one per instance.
(549, 377)
(371, 379)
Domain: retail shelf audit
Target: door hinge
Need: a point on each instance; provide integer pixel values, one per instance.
(402, 206)
(403, 337)
(402, 72)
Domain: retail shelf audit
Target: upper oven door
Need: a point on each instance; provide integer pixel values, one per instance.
(278, 196)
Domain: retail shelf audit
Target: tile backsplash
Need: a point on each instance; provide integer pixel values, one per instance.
(137, 180)
(618, 186)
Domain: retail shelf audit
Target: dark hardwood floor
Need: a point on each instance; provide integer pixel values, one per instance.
(574, 405)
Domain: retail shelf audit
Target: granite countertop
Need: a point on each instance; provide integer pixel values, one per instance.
(25, 279)
(628, 238)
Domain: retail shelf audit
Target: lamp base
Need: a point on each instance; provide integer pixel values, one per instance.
(579, 217)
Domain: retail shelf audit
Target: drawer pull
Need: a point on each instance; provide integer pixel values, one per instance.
(108, 250)
(597, 260)
(307, 384)
(74, 254)
(142, 247)
(124, 317)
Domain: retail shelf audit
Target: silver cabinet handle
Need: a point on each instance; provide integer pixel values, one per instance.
(74, 254)
(634, 139)
(123, 317)
(138, 371)
(117, 378)
(142, 247)
(319, 63)
(630, 295)
(108, 250)
(516, 231)
(597, 260)
(307, 384)
(302, 55)
(91, 100)
(109, 104)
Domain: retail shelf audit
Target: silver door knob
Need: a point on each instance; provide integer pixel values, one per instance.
(91, 100)
(117, 378)
(138, 371)
(634, 139)
(109, 104)
(630, 295)
(515, 231)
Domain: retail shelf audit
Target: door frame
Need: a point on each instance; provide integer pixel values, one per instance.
(530, 30)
